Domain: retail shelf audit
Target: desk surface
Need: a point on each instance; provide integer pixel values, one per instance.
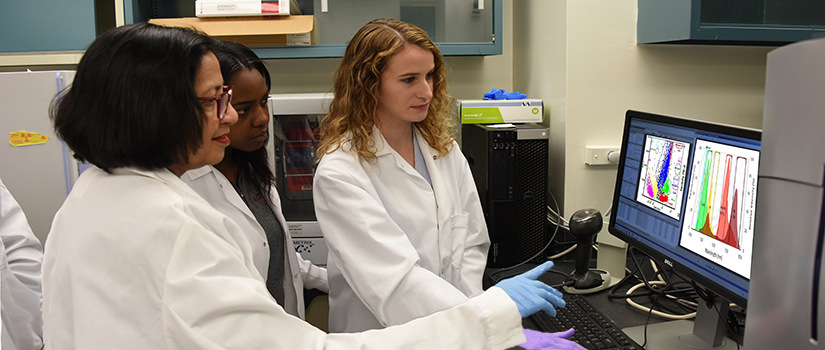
(621, 313)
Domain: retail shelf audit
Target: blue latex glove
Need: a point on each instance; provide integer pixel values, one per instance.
(500, 94)
(531, 295)
(559, 341)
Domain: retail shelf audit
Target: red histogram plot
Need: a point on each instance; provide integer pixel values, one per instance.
(662, 178)
(720, 202)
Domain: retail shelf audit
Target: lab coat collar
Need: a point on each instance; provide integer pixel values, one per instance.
(164, 175)
(382, 148)
(195, 174)
(430, 158)
(227, 189)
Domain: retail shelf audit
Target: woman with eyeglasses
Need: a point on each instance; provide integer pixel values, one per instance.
(136, 259)
(242, 186)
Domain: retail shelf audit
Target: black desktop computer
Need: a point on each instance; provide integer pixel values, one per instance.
(509, 164)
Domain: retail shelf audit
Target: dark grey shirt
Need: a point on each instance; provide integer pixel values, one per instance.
(254, 199)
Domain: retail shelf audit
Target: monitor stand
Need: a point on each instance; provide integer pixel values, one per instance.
(706, 333)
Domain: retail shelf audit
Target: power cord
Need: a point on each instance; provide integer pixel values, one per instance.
(657, 288)
(661, 287)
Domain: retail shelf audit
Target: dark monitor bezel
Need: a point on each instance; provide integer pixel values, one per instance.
(645, 248)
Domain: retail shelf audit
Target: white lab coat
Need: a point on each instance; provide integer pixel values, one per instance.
(398, 248)
(20, 293)
(138, 260)
(213, 186)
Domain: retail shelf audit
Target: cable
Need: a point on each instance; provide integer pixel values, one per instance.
(564, 221)
(549, 242)
(669, 291)
(563, 253)
(506, 269)
(650, 309)
(553, 217)
(647, 322)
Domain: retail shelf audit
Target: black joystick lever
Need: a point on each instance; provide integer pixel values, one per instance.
(584, 225)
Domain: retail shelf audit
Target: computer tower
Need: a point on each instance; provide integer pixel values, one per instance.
(509, 165)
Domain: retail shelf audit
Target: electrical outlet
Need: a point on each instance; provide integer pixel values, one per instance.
(601, 155)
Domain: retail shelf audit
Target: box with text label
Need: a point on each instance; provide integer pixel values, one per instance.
(500, 111)
(223, 8)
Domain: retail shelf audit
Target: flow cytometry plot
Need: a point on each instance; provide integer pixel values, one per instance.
(721, 201)
(662, 176)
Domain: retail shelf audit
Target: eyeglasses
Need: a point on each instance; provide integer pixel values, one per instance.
(223, 100)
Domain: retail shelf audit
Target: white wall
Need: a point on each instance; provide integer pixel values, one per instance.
(581, 57)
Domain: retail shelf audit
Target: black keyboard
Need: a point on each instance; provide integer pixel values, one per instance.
(593, 329)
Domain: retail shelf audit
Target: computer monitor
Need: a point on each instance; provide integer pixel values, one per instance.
(686, 195)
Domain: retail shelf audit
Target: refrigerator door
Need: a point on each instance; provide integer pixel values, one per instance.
(37, 174)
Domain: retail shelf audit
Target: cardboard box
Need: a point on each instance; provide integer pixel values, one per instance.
(500, 111)
(223, 8)
(251, 31)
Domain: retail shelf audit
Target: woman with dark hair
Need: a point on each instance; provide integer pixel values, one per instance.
(242, 186)
(136, 259)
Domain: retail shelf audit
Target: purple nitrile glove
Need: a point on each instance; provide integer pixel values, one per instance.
(558, 341)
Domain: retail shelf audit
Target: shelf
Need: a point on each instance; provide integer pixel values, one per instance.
(30, 59)
(250, 31)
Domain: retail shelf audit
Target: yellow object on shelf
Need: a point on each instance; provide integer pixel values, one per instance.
(251, 31)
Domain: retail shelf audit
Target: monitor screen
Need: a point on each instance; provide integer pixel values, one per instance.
(686, 195)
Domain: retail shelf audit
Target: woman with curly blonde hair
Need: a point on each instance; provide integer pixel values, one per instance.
(393, 193)
(358, 96)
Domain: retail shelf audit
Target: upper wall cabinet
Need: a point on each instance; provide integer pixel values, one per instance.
(730, 22)
(459, 27)
(46, 25)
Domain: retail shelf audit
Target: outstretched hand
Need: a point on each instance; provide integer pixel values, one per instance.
(531, 295)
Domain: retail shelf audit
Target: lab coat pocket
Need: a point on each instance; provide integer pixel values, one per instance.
(458, 237)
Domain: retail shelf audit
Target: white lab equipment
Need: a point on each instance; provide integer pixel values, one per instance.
(786, 309)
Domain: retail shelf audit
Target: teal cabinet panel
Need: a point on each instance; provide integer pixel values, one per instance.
(459, 28)
(46, 25)
(732, 22)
